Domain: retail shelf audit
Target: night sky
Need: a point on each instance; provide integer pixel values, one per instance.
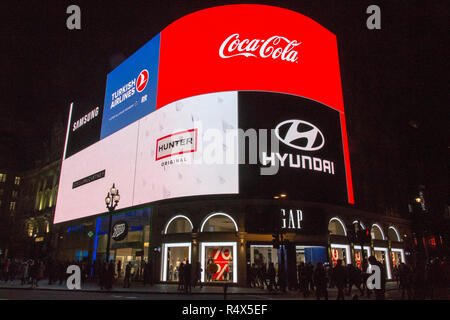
(390, 76)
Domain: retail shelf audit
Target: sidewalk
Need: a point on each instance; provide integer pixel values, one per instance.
(137, 287)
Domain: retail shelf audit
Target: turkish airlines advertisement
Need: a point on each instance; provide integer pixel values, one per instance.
(176, 112)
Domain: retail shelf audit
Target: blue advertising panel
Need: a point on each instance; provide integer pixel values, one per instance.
(131, 89)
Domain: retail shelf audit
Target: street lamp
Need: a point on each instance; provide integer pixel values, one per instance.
(111, 201)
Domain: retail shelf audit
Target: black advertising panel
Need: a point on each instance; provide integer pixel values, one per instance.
(300, 152)
(85, 127)
(286, 218)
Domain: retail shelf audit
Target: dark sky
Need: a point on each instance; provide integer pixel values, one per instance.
(389, 76)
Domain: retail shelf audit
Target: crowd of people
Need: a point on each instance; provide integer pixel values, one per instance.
(416, 282)
(34, 271)
(419, 281)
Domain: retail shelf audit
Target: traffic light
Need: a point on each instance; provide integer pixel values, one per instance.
(363, 236)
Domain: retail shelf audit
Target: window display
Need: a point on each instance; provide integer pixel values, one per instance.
(218, 262)
(175, 254)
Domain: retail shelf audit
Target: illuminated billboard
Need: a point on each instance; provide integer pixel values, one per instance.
(176, 111)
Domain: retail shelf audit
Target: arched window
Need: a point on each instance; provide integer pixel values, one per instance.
(179, 224)
(393, 234)
(377, 232)
(219, 222)
(337, 227)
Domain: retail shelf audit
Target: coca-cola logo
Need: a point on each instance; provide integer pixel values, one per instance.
(276, 47)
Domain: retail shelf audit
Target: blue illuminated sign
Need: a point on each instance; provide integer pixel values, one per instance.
(131, 89)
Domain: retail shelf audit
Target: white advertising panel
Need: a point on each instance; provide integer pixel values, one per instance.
(176, 151)
(182, 149)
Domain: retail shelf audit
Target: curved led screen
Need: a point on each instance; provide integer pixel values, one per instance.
(250, 105)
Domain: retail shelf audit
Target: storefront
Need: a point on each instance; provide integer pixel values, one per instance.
(86, 240)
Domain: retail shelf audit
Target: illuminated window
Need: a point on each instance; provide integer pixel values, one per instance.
(336, 226)
(12, 206)
(15, 194)
(219, 222)
(17, 181)
(179, 224)
(393, 234)
(377, 232)
(2, 177)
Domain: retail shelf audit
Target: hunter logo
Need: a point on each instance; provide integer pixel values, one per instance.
(119, 231)
(176, 144)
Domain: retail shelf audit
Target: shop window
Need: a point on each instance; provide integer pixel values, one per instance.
(377, 232)
(219, 222)
(381, 254)
(175, 254)
(219, 262)
(179, 224)
(340, 252)
(393, 234)
(336, 227)
(262, 255)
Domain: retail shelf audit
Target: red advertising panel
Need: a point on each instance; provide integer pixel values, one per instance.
(248, 47)
(251, 48)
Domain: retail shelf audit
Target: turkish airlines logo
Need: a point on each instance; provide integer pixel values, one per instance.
(276, 47)
(300, 135)
(142, 80)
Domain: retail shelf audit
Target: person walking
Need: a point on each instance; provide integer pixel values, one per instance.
(187, 270)
(181, 277)
(404, 274)
(379, 292)
(197, 275)
(126, 281)
(119, 269)
(271, 273)
(340, 277)
(320, 281)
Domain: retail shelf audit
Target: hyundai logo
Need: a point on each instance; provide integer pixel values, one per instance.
(300, 135)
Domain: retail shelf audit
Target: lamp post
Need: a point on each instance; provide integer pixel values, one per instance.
(111, 201)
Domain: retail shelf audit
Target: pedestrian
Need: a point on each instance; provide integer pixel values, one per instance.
(33, 273)
(181, 277)
(282, 277)
(119, 269)
(379, 292)
(353, 279)
(405, 277)
(126, 281)
(110, 275)
(271, 273)
(187, 270)
(198, 274)
(320, 281)
(339, 278)
(25, 272)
